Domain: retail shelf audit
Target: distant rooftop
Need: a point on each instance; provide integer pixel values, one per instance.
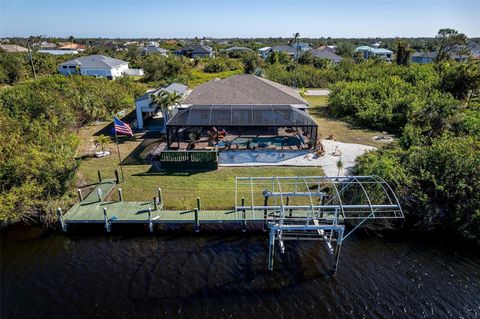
(12, 48)
(95, 62)
(178, 88)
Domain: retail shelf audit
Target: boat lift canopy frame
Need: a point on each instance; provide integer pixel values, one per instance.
(312, 207)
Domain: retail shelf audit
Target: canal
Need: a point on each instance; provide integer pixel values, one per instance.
(221, 273)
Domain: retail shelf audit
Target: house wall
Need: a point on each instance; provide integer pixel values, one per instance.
(114, 73)
(201, 55)
(421, 59)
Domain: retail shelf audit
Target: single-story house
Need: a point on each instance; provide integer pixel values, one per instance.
(326, 53)
(72, 46)
(428, 57)
(423, 57)
(195, 51)
(238, 49)
(98, 66)
(144, 106)
(291, 50)
(154, 50)
(45, 45)
(368, 52)
(264, 52)
(243, 111)
(12, 48)
(57, 52)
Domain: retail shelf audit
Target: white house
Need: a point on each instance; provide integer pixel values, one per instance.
(368, 52)
(96, 65)
(144, 106)
(265, 52)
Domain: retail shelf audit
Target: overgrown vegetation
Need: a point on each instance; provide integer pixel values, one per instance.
(38, 140)
(435, 110)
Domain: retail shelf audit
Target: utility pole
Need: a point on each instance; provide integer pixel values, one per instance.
(31, 61)
(296, 35)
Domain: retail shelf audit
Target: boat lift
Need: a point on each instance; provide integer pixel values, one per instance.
(315, 207)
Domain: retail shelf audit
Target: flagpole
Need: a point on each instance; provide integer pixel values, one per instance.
(118, 151)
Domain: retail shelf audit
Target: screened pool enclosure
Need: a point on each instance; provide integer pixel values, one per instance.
(241, 126)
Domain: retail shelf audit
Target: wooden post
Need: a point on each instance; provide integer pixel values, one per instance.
(160, 200)
(60, 219)
(198, 203)
(99, 176)
(271, 248)
(150, 223)
(155, 207)
(197, 222)
(107, 222)
(80, 196)
(120, 195)
(99, 193)
(265, 203)
(116, 177)
(290, 210)
(244, 216)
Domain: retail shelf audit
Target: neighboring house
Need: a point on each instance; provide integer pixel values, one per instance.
(293, 49)
(195, 51)
(423, 57)
(152, 44)
(96, 65)
(368, 52)
(474, 49)
(72, 46)
(302, 46)
(326, 53)
(238, 49)
(12, 48)
(265, 52)
(144, 106)
(57, 52)
(154, 50)
(44, 45)
(428, 57)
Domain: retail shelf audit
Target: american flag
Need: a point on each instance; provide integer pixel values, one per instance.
(122, 128)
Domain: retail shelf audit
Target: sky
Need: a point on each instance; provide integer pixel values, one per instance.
(237, 18)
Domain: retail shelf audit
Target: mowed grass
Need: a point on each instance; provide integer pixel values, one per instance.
(179, 189)
(342, 131)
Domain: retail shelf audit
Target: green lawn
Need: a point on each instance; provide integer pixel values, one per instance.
(216, 188)
(342, 131)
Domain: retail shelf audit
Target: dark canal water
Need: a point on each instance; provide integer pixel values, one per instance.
(222, 274)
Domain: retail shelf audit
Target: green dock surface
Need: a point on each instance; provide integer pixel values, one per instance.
(91, 210)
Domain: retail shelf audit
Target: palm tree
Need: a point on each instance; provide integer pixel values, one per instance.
(339, 165)
(164, 100)
(101, 141)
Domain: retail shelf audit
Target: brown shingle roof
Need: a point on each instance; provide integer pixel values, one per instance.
(243, 89)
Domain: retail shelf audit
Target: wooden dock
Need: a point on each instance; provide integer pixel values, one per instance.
(329, 202)
(93, 209)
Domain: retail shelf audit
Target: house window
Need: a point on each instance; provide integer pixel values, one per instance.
(64, 67)
(72, 66)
